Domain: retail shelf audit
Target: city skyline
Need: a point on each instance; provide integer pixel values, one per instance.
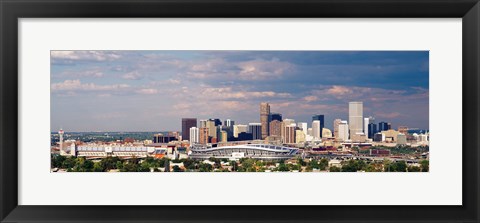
(154, 90)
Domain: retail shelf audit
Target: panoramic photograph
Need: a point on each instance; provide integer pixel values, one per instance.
(239, 111)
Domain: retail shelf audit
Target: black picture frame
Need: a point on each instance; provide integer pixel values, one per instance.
(12, 10)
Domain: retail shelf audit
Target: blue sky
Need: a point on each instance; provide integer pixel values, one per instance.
(153, 90)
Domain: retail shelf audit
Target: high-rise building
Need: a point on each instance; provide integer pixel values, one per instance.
(237, 129)
(382, 126)
(316, 129)
(389, 126)
(223, 136)
(320, 118)
(310, 132)
(355, 117)
(264, 116)
(229, 123)
(336, 122)
(303, 126)
(202, 123)
(275, 116)
(367, 121)
(299, 136)
(275, 128)
(212, 128)
(187, 123)
(194, 135)
(372, 129)
(288, 121)
(343, 131)
(256, 130)
(203, 135)
(216, 121)
(290, 134)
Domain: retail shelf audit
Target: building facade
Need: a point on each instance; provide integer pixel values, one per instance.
(203, 137)
(256, 130)
(320, 118)
(316, 129)
(194, 135)
(343, 131)
(275, 128)
(355, 117)
(187, 123)
(264, 119)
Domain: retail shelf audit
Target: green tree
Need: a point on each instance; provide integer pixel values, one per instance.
(323, 164)
(350, 166)
(282, 168)
(205, 167)
(424, 164)
(413, 169)
(98, 167)
(335, 169)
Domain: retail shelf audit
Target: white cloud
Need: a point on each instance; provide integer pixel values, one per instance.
(147, 91)
(77, 85)
(134, 75)
(85, 55)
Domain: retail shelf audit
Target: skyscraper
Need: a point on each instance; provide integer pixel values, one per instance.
(336, 122)
(228, 127)
(203, 135)
(290, 134)
(316, 129)
(229, 123)
(355, 117)
(320, 118)
(256, 130)
(202, 123)
(275, 128)
(194, 135)
(367, 121)
(343, 131)
(264, 116)
(212, 128)
(187, 123)
(382, 126)
(275, 116)
(372, 129)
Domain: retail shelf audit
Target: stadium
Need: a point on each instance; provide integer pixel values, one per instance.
(255, 151)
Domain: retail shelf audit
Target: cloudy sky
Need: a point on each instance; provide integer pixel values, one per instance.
(153, 90)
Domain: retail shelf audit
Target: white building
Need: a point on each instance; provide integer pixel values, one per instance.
(343, 131)
(316, 129)
(238, 129)
(355, 117)
(194, 135)
(304, 127)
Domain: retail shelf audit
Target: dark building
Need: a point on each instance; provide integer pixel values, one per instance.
(378, 137)
(217, 121)
(244, 136)
(187, 123)
(372, 129)
(382, 126)
(160, 138)
(320, 118)
(256, 130)
(275, 116)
